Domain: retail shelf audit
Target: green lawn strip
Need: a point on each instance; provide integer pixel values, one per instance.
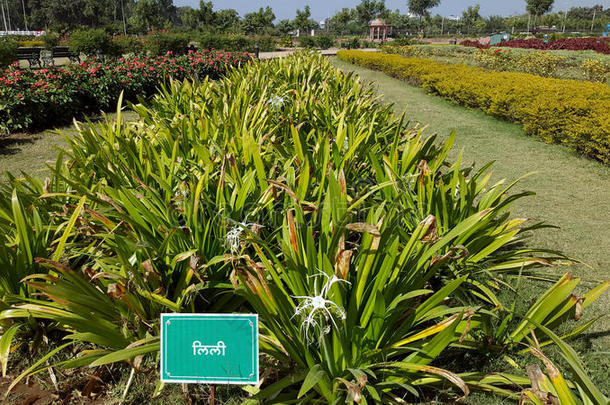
(572, 192)
(31, 152)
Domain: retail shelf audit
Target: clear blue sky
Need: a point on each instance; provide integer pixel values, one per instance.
(326, 8)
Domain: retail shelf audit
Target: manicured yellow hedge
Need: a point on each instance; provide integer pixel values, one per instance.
(569, 112)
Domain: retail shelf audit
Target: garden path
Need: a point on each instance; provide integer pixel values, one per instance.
(324, 52)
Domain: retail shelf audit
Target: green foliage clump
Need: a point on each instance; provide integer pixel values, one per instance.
(324, 41)
(129, 45)
(352, 42)
(8, 51)
(91, 42)
(286, 42)
(50, 40)
(306, 42)
(595, 70)
(232, 42)
(567, 112)
(496, 59)
(160, 43)
(539, 63)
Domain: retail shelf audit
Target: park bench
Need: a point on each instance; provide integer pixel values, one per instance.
(60, 52)
(32, 55)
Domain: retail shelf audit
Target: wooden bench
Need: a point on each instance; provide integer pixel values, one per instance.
(32, 55)
(60, 52)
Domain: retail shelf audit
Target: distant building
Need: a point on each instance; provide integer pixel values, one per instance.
(325, 24)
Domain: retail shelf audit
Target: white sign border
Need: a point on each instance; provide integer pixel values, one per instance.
(209, 382)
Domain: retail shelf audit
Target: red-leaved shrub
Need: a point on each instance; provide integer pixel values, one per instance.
(475, 44)
(601, 45)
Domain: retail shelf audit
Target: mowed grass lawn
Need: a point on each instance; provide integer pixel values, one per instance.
(34, 151)
(572, 192)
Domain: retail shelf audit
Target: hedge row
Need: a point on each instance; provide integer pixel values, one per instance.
(40, 98)
(233, 42)
(568, 112)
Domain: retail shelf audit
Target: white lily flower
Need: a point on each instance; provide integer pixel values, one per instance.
(276, 102)
(318, 309)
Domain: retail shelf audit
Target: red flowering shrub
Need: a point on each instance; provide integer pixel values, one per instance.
(475, 44)
(601, 45)
(39, 98)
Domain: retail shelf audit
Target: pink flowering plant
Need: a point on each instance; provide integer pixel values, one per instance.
(38, 98)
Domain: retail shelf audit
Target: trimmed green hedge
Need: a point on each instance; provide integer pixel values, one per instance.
(568, 112)
(8, 51)
(236, 42)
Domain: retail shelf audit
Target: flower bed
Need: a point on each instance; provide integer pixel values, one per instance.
(285, 189)
(567, 112)
(35, 99)
(600, 45)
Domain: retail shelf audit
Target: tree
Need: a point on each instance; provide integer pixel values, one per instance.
(496, 23)
(206, 14)
(538, 7)
(340, 21)
(368, 10)
(470, 16)
(147, 15)
(258, 21)
(420, 7)
(227, 20)
(303, 21)
(284, 26)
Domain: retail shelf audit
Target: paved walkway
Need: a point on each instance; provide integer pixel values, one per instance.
(325, 52)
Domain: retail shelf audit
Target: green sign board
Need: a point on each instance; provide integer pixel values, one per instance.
(209, 348)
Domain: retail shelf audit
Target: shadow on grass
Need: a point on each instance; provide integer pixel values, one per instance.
(13, 144)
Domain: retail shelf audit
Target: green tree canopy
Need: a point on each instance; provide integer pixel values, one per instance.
(303, 20)
(368, 10)
(471, 18)
(258, 21)
(538, 7)
(284, 26)
(421, 7)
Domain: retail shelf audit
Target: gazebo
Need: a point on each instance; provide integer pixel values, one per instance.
(376, 26)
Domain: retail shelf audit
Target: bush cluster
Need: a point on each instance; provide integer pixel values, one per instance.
(601, 45)
(285, 189)
(34, 99)
(423, 51)
(8, 51)
(160, 43)
(92, 42)
(567, 112)
(537, 63)
(232, 42)
(318, 41)
(595, 70)
(474, 44)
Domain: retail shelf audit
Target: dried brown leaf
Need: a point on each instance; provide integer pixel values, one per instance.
(363, 227)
